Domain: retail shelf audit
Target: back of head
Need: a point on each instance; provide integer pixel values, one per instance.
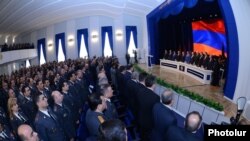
(150, 81)
(113, 130)
(135, 75)
(142, 76)
(94, 100)
(167, 97)
(193, 121)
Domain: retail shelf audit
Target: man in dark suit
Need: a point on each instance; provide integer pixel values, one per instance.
(164, 116)
(64, 115)
(46, 122)
(132, 89)
(28, 105)
(192, 124)
(127, 58)
(110, 112)
(146, 100)
(70, 101)
(94, 115)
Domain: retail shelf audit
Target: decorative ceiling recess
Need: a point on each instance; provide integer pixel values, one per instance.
(19, 16)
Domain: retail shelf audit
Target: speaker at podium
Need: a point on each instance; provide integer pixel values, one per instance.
(150, 61)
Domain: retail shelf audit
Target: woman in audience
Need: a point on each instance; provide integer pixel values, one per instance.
(16, 117)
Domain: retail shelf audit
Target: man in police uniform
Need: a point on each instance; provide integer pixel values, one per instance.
(64, 115)
(46, 122)
(94, 116)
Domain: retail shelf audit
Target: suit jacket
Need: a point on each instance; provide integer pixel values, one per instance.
(163, 118)
(64, 115)
(71, 104)
(110, 112)
(10, 137)
(132, 89)
(29, 109)
(146, 100)
(15, 121)
(175, 133)
(93, 121)
(49, 129)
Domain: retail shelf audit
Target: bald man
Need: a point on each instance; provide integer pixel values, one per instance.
(192, 124)
(193, 121)
(64, 114)
(26, 133)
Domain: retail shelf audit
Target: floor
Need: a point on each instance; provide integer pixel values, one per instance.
(187, 82)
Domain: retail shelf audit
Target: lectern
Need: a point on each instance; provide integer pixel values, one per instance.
(150, 61)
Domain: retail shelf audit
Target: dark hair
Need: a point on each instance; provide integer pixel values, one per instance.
(37, 82)
(121, 68)
(23, 88)
(112, 130)
(142, 76)
(192, 126)
(36, 97)
(94, 100)
(70, 74)
(61, 85)
(150, 81)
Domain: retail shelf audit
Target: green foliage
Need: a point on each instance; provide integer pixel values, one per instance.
(184, 92)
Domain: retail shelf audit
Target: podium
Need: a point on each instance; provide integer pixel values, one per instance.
(149, 64)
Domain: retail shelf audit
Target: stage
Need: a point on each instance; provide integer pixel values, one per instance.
(189, 83)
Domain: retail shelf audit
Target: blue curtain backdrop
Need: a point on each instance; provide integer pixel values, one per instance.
(107, 29)
(39, 43)
(81, 32)
(62, 37)
(130, 29)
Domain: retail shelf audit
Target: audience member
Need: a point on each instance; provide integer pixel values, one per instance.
(164, 116)
(107, 92)
(192, 124)
(47, 123)
(112, 130)
(26, 133)
(94, 115)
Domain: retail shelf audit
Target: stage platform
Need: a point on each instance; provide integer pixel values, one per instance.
(189, 83)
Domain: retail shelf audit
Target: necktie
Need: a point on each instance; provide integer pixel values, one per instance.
(5, 135)
(52, 116)
(21, 117)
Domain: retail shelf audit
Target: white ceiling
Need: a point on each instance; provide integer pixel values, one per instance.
(19, 16)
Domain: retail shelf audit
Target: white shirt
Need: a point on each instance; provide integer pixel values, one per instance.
(45, 112)
(3, 135)
(171, 108)
(19, 116)
(107, 99)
